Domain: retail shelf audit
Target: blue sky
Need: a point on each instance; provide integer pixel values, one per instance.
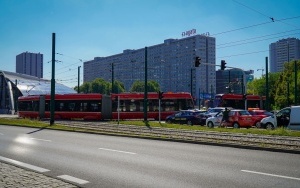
(97, 28)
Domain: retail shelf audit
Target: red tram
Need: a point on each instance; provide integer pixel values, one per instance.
(98, 106)
(238, 101)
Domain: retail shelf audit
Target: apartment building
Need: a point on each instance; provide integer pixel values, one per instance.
(284, 50)
(171, 64)
(30, 64)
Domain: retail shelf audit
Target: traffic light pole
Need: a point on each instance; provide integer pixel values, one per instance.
(52, 100)
(146, 89)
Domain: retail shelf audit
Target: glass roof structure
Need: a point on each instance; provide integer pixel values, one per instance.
(30, 85)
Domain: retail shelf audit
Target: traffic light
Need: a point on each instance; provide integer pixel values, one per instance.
(197, 61)
(223, 63)
(160, 95)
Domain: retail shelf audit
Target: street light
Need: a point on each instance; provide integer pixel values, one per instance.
(262, 71)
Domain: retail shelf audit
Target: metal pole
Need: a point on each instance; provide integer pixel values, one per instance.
(288, 94)
(191, 81)
(112, 78)
(52, 101)
(146, 88)
(229, 88)
(159, 116)
(118, 110)
(78, 89)
(296, 91)
(267, 85)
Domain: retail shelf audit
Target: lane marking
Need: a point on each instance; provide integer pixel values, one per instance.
(19, 163)
(73, 179)
(274, 175)
(41, 139)
(106, 149)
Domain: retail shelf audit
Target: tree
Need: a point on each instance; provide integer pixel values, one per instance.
(85, 87)
(99, 85)
(281, 86)
(139, 86)
(118, 87)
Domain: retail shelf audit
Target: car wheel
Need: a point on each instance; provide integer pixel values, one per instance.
(270, 126)
(189, 122)
(169, 121)
(210, 124)
(236, 125)
(258, 125)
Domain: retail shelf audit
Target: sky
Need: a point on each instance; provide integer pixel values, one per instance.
(85, 29)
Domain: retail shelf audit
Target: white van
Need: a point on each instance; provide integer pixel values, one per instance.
(288, 117)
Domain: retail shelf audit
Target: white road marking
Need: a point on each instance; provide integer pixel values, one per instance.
(73, 179)
(41, 139)
(117, 151)
(29, 166)
(274, 175)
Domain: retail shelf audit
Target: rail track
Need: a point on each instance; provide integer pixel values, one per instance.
(291, 144)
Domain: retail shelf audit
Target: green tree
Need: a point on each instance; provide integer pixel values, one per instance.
(99, 85)
(85, 87)
(139, 86)
(118, 87)
(279, 84)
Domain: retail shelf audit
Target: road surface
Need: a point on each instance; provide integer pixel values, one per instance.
(91, 160)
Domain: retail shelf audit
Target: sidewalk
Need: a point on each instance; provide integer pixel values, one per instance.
(13, 177)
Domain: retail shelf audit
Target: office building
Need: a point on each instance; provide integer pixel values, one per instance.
(30, 64)
(171, 64)
(233, 80)
(284, 50)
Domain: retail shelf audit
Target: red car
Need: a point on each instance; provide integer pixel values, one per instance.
(258, 115)
(240, 118)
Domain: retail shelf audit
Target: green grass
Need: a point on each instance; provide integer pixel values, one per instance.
(41, 124)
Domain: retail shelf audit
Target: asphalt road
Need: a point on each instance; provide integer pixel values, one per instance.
(93, 160)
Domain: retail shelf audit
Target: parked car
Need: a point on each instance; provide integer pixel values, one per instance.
(215, 120)
(239, 118)
(258, 115)
(213, 111)
(190, 117)
(288, 117)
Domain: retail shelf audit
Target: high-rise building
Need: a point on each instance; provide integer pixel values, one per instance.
(171, 64)
(233, 80)
(30, 64)
(284, 50)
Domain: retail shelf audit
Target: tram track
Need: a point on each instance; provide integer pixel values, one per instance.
(268, 142)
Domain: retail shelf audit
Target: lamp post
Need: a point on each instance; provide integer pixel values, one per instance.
(78, 89)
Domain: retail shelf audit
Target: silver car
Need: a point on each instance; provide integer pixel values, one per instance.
(215, 120)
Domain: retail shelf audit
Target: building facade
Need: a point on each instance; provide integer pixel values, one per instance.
(282, 51)
(171, 64)
(233, 80)
(30, 64)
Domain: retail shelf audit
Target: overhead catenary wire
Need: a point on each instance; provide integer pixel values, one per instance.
(236, 43)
